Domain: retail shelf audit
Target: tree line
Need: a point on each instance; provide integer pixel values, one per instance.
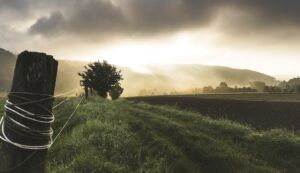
(291, 86)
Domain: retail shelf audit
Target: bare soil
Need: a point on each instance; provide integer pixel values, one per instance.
(259, 114)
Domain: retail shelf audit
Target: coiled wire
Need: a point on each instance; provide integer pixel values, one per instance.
(8, 122)
(23, 124)
(33, 129)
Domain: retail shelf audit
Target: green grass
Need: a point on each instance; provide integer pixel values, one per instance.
(122, 136)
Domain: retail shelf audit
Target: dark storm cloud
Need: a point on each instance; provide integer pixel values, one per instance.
(49, 25)
(129, 17)
(263, 15)
(83, 17)
(156, 15)
(14, 4)
(102, 17)
(13, 10)
(272, 11)
(96, 16)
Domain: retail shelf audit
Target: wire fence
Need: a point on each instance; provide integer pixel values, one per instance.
(14, 124)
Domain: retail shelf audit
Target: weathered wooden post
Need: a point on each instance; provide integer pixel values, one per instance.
(34, 79)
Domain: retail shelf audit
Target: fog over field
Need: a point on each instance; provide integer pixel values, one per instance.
(160, 78)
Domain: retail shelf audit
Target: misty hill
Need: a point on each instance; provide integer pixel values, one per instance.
(189, 75)
(6, 69)
(162, 78)
(165, 78)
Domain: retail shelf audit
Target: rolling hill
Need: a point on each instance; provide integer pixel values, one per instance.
(6, 69)
(162, 78)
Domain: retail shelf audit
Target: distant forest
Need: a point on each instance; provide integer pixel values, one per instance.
(291, 86)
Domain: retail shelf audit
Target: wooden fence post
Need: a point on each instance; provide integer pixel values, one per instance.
(34, 73)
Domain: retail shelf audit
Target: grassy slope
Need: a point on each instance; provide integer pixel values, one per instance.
(121, 136)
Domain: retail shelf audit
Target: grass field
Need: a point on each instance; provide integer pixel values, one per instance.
(262, 111)
(123, 136)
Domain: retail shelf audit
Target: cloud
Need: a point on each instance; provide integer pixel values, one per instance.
(257, 15)
(85, 18)
(12, 40)
(168, 15)
(96, 17)
(135, 17)
(14, 4)
(13, 10)
(275, 12)
(48, 25)
(102, 20)
(144, 17)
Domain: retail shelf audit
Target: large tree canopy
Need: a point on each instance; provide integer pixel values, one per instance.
(101, 77)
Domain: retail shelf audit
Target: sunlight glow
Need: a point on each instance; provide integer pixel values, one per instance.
(197, 47)
(182, 48)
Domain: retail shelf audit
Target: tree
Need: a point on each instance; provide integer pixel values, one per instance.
(222, 88)
(297, 88)
(116, 92)
(223, 85)
(291, 85)
(208, 89)
(101, 77)
(258, 85)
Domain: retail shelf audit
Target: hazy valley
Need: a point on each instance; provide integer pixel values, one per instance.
(159, 78)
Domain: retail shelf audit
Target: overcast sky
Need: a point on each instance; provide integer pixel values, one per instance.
(261, 35)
